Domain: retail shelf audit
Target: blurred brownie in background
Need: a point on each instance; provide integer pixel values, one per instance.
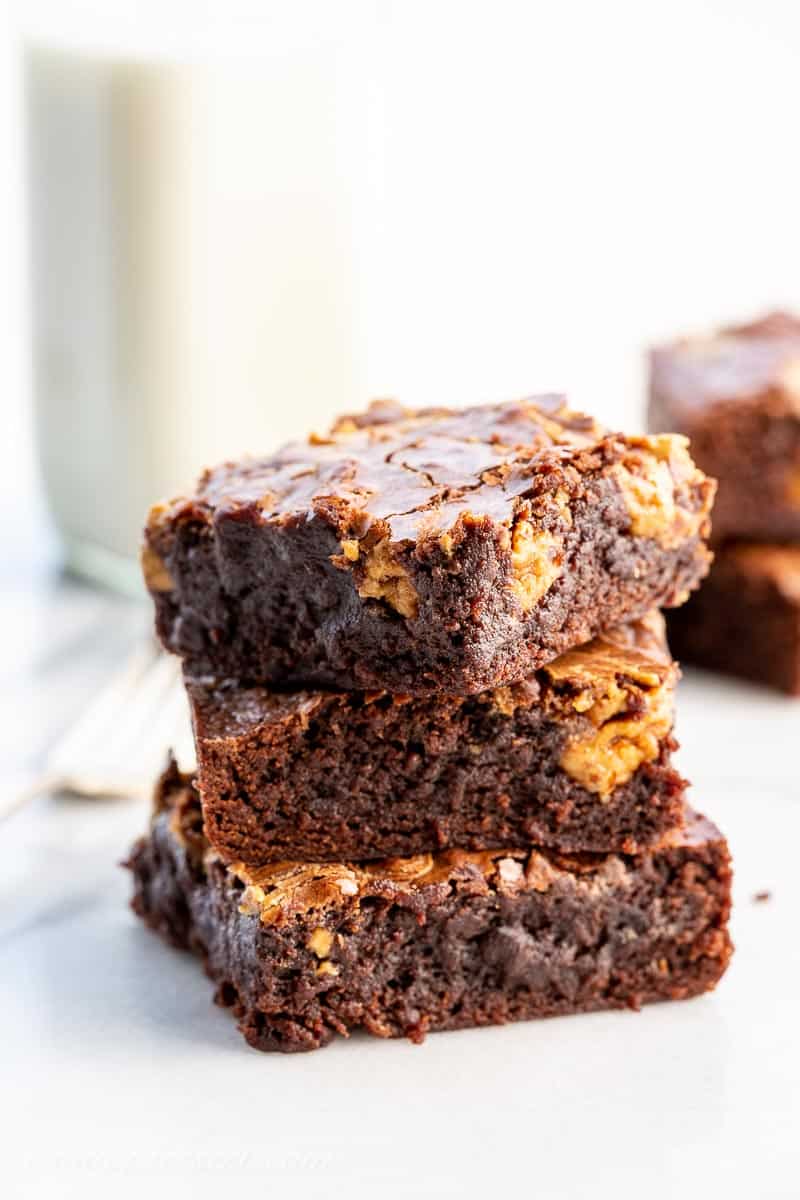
(745, 620)
(736, 394)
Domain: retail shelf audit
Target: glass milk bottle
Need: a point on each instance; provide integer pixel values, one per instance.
(195, 274)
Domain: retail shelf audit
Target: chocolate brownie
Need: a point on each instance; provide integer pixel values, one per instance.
(302, 952)
(736, 394)
(745, 620)
(577, 756)
(425, 552)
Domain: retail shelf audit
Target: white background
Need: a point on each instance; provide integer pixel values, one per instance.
(552, 187)
(539, 191)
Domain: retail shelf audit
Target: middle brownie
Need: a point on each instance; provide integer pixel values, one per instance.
(576, 757)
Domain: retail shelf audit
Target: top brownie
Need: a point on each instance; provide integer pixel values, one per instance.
(429, 551)
(736, 393)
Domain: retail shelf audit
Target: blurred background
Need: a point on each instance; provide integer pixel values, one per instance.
(227, 222)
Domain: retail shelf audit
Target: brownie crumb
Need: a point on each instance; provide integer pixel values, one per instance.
(576, 757)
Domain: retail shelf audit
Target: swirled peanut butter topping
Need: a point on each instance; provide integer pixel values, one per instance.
(536, 562)
(386, 579)
(622, 685)
(658, 481)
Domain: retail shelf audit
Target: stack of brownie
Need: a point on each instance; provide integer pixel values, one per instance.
(432, 704)
(736, 393)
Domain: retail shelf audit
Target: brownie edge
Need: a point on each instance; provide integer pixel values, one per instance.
(302, 952)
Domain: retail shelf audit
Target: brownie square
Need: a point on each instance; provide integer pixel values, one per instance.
(745, 620)
(577, 757)
(736, 394)
(425, 552)
(302, 952)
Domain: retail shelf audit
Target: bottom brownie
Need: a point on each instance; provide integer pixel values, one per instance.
(302, 952)
(745, 619)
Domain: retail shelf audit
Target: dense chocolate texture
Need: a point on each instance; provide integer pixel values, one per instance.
(577, 756)
(425, 552)
(745, 620)
(303, 952)
(736, 394)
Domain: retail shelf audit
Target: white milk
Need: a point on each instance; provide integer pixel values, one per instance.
(195, 276)
(445, 203)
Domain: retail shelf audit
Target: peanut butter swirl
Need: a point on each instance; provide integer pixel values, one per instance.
(278, 893)
(616, 695)
(282, 891)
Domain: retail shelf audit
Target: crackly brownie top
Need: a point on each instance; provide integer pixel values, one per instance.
(614, 697)
(394, 477)
(760, 360)
(399, 466)
(284, 891)
(412, 472)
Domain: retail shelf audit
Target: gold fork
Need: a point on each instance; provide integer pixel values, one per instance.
(119, 743)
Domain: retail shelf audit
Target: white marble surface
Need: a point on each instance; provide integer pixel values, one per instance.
(118, 1076)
